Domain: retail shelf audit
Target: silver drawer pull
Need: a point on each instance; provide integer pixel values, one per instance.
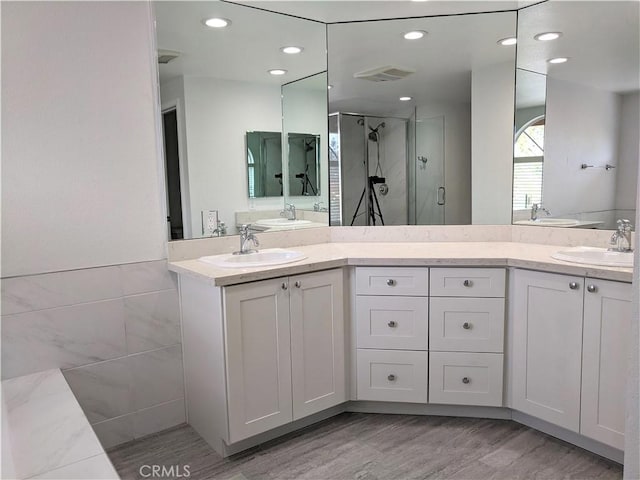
(391, 377)
(391, 282)
(392, 324)
(573, 285)
(284, 286)
(298, 284)
(466, 326)
(468, 283)
(466, 380)
(592, 289)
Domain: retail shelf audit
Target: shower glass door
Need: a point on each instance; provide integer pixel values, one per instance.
(427, 192)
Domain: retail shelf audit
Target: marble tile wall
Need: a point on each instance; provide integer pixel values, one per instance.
(115, 333)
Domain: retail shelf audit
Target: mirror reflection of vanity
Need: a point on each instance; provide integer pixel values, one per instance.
(217, 86)
(576, 132)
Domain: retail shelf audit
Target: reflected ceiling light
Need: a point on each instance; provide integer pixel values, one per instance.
(405, 99)
(415, 34)
(216, 22)
(291, 50)
(546, 36)
(508, 41)
(277, 71)
(558, 60)
(329, 87)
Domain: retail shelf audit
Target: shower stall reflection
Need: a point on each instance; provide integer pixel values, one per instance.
(376, 178)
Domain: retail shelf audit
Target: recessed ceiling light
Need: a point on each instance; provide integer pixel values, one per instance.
(277, 71)
(216, 22)
(415, 34)
(291, 50)
(405, 99)
(419, 0)
(558, 60)
(545, 37)
(508, 41)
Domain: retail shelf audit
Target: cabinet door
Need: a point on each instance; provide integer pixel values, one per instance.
(547, 346)
(317, 341)
(258, 357)
(607, 323)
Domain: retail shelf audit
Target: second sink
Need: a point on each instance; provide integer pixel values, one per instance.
(595, 256)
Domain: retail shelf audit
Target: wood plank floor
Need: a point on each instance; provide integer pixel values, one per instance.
(375, 447)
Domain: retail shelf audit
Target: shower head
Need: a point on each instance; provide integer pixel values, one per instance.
(374, 136)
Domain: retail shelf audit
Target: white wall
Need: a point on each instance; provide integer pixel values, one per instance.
(581, 127)
(218, 115)
(80, 171)
(628, 145)
(492, 114)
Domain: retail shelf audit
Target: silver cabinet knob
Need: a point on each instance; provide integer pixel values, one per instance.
(284, 285)
(467, 283)
(391, 377)
(466, 326)
(391, 282)
(466, 380)
(392, 324)
(592, 289)
(298, 284)
(573, 285)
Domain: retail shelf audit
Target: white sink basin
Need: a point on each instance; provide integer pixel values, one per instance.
(550, 222)
(281, 222)
(595, 256)
(262, 258)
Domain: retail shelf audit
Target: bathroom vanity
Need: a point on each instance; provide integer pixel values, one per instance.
(486, 329)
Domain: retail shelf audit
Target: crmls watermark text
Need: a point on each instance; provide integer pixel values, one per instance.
(165, 471)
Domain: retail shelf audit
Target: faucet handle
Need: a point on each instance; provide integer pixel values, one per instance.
(624, 225)
(244, 228)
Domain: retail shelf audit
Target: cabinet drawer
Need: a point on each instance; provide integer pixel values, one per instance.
(467, 282)
(465, 378)
(392, 375)
(466, 324)
(392, 322)
(392, 281)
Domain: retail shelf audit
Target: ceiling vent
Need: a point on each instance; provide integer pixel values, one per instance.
(165, 56)
(387, 73)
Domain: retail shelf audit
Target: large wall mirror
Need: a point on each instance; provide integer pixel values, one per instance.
(215, 86)
(577, 109)
(401, 98)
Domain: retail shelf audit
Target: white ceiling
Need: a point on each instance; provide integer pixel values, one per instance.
(443, 60)
(601, 39)
(245, 50)
(330, 11)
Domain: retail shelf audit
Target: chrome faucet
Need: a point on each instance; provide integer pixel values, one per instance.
(289, 211)
(220, 230)
(621, 236)
(535, 209)
(247, 237)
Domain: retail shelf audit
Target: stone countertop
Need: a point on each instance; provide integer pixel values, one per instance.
(455, 254)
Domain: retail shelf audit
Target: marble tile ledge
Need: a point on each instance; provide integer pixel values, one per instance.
(456, 254)
(48, 434)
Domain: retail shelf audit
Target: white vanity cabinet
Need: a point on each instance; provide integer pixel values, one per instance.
(569, 352)
(262, 354)
(466, 336)
(285, 350)
(607, 323)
